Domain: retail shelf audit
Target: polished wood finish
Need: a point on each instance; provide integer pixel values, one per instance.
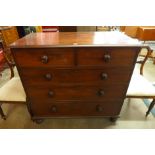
(146, 33)
(76, 108)
(75, 39)
(89, 93)
(109, 57)
(55, 57)
(72, 76)
(9, 34)
(75, 74)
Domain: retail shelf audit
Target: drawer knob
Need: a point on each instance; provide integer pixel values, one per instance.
(50, 93)
(101, 93)
(107, 57)
(54, 108)
(44, 59)
(104, 76)
(99, 108)
(48, 76)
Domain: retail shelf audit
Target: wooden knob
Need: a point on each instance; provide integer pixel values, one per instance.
(54, 108)
(99, 108)
(101, 93)
(44, 59)
(50, 93)
(104, 76)
(107, 57)
(48, 76)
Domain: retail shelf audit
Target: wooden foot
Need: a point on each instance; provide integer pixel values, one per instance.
(38, 121)
(150, 107)
(4, 117)
(113, 119)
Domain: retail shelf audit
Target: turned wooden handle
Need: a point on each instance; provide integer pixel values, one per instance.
(48, 76)
(99, 108)
(107, 57)
(54, 108)
(104, 76)
(50, 93)
(44, 59)
(101, 93)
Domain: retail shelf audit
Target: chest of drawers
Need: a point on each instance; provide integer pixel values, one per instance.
(69, 75)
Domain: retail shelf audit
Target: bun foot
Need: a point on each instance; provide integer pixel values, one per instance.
(113, 119)
(38, 121)
(4, 117)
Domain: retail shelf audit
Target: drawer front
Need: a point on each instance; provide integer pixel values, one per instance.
(48, 57)
(74, 108)
(98, 93)
(75, 76)
(106, 56)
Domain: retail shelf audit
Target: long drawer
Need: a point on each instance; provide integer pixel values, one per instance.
(75, 108)
(33, 76)
(98, 93)
(47, 57)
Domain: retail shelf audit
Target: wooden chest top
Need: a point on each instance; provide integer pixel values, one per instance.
(75, 39)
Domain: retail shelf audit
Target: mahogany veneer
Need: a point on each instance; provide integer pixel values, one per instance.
(75, 74)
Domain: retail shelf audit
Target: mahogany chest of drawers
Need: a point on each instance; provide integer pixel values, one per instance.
(72, 74)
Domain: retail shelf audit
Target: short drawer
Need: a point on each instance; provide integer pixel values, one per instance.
(106, 56)
(46, 57)
(98, 93)
(75, 76)
(75, 108)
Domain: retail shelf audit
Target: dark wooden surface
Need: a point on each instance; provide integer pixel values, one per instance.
(56, 57)
(89, 93)
(93, 57)
(75, 108)
(68, 57)
(75, 39)
(72, 76)
(75, 80)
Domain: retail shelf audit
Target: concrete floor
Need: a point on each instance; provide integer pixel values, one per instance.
(132, 115)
